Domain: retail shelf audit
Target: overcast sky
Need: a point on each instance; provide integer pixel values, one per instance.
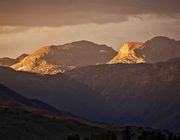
(26, 25)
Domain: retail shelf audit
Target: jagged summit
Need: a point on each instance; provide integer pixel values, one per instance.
(127, 53)
(157, 49)
(57, 58)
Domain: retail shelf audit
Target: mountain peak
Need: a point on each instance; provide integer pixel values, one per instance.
(127, 53)
(80, 44)
(133, 43)
(159, 48)
(57, 58)
(21, 57)
(161, 38)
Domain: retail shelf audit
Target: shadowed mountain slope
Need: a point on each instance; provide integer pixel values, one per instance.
(58, 90)
(6, 61)
(134, 94)
(160, 48)
(20, 118)
(145, 94)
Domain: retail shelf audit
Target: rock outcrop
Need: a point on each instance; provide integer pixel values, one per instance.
(127, 54)
(155, 50)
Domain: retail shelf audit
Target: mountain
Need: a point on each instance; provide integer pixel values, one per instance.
(6, 61)
(9, 98)
(21, 57)
(57, 58)
(58, 90)
(23, 119)
(136, 94)
(127, 53)
(160, 48)
(155, 50)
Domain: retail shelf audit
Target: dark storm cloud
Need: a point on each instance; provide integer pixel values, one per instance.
(69, 12)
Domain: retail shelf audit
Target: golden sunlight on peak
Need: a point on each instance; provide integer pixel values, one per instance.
(127, 53)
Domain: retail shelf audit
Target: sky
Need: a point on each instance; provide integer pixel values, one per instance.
(26, 25)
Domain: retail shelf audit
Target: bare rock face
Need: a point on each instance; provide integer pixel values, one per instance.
(127, 54)
(155, 50)
(37, 62)
(57, 58)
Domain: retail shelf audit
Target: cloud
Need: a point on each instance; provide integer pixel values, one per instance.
(113, 34)
(12, 29)
(73, 12)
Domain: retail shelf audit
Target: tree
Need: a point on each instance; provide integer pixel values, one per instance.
(127, 133)
(73, 137)
(86, 138)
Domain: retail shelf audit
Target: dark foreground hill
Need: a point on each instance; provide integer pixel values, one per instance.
(145, 94)
(22, 119)
(127, 94)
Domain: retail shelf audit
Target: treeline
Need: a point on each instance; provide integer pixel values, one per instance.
(143, 134)
(102, 136)
(128, 134)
